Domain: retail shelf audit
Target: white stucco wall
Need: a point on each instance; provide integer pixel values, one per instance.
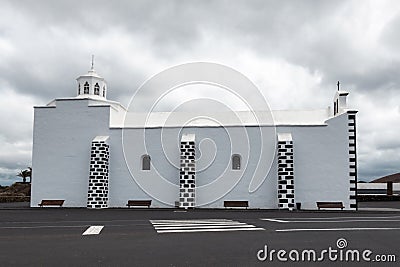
(62, 138)
(321, 165)
(61, 153)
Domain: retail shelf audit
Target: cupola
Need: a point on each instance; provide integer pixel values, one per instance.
(91, 84)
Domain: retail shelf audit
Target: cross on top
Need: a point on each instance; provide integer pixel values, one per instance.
(92, 62)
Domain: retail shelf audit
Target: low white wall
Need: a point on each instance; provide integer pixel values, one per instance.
(396, 186)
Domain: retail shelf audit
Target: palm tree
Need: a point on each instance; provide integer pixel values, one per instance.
(30, 174)
(25, 173)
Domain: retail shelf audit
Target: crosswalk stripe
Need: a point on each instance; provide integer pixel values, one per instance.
(191, 221)
(93, 230)
(196, 224)
(202, 225)
(209, 230)
(161, 223)
(205, 227)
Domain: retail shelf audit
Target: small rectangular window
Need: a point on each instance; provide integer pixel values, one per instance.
(236, 162)
(146, 162)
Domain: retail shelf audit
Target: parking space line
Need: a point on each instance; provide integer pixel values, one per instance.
(275, 220)
(342, 217)
(343, 221)
(42, 226)
(337, 229)
(93, 230)
(333, 220)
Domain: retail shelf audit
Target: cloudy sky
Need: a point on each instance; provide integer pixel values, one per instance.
(294, 51)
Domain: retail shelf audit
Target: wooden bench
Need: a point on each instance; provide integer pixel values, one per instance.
(330, 205)
(236, 203)
(142, 203)
(51, 202)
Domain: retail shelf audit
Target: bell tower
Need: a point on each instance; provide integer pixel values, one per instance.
(91, 84)
(339, 101)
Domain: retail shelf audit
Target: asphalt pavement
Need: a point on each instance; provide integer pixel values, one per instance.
(166, 237)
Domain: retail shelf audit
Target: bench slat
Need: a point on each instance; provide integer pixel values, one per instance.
(139, 203)
(236, 203)
(326, 205)
(51, 202)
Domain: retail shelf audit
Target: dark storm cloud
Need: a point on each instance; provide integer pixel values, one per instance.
(307, 33)
(163, 22)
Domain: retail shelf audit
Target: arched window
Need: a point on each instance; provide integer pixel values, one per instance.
(104, 91)
(236, 162)
(96, 89)
(79, 89)
(146, 162)
(86, 88)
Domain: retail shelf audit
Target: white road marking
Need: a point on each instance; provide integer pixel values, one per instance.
(209, 225)
(198, 225)
(343, 217)
(191, 221)
(93, 230)
(195, 222)
(210, 230)
(274, 220)
(379, 209)
(42, 226)
(335, 219)
(336, 229)
(340, 221)
(204, 227)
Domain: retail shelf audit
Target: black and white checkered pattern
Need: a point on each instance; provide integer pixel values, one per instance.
(285, 175)
(98, 177)
(187, 175)
(352, 158)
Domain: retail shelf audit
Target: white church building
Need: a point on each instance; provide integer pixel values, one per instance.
(93, 152)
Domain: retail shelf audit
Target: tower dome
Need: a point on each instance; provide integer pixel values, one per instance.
(91, 84)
